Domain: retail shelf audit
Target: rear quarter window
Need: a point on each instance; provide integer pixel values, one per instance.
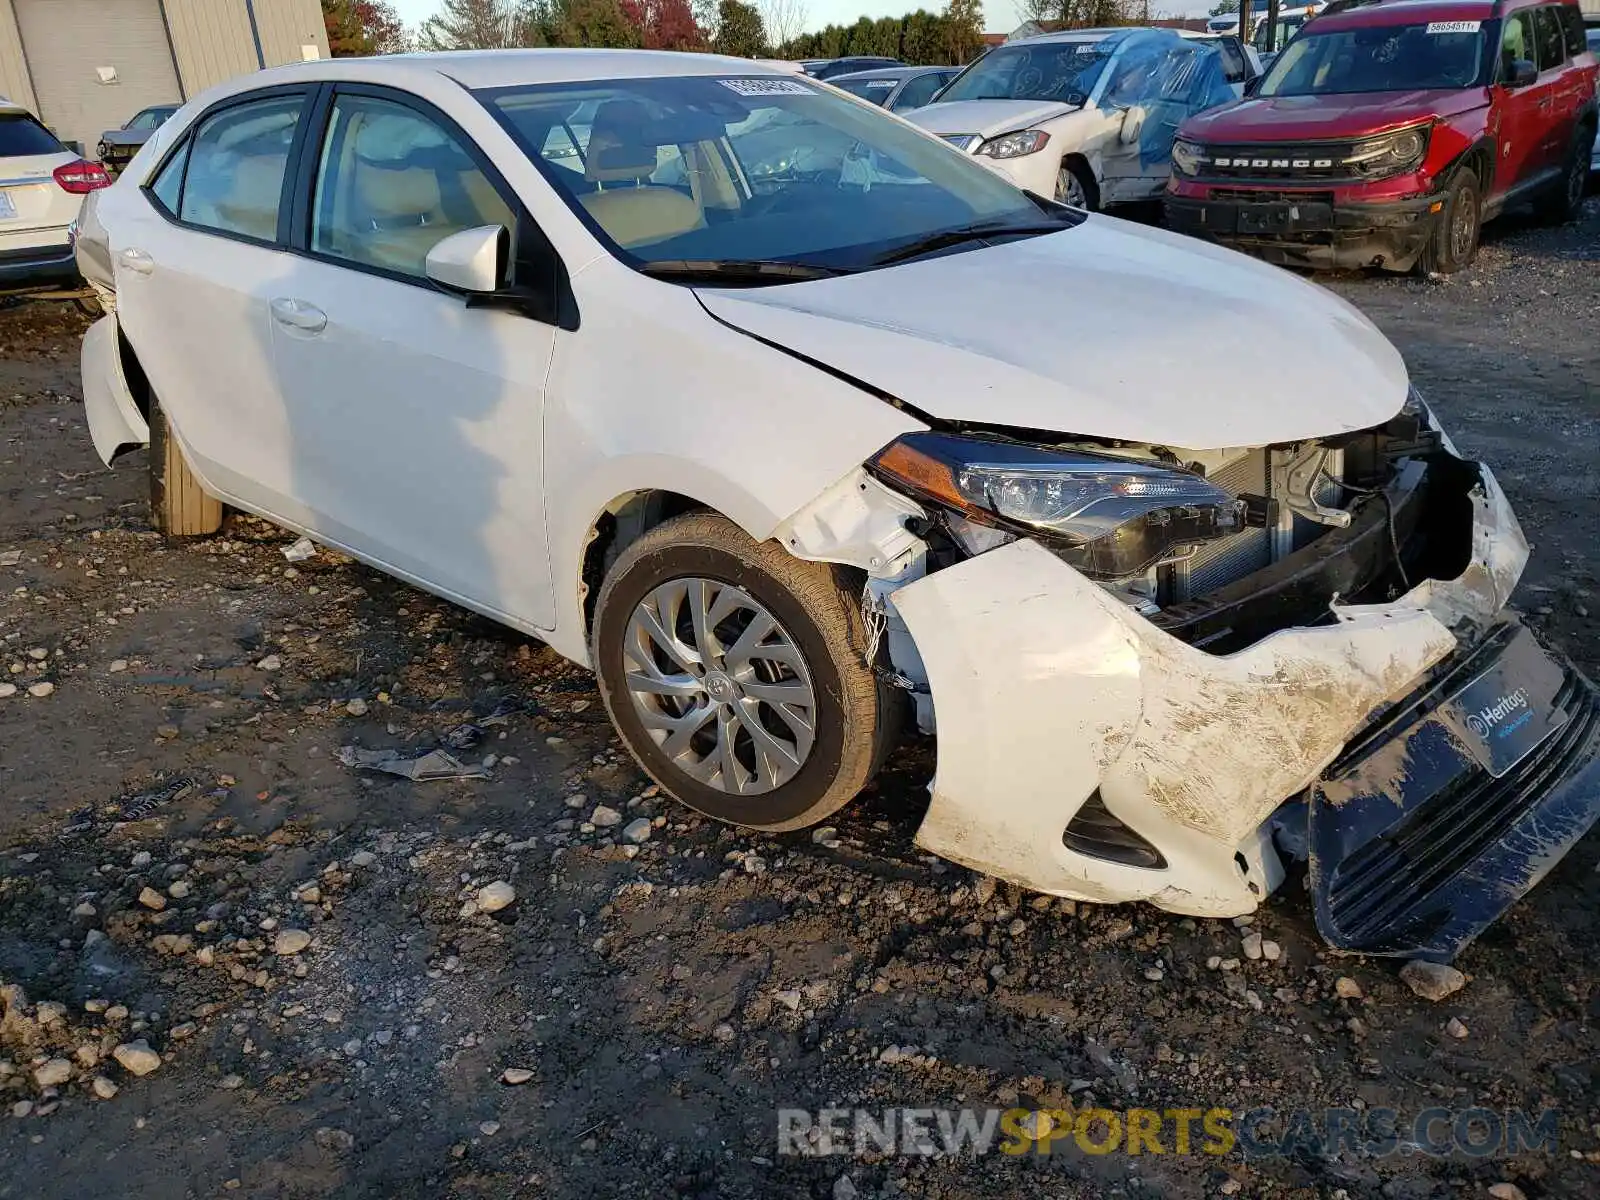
(20, 135)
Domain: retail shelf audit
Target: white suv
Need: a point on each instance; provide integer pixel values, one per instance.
(42, 186)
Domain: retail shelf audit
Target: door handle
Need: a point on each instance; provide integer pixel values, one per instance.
(137, 261)
(297, 314)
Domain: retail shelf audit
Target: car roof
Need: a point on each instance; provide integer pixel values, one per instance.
(1403, 12)
(889, 73)
(475, 69)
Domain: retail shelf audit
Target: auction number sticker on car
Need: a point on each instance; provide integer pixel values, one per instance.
(1454, 26)
(766, 87)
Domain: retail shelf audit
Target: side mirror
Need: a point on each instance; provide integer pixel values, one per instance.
(471, 261)
(1521, 73)
(1132, 125)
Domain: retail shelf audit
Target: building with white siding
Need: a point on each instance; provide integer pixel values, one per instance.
(84, 66)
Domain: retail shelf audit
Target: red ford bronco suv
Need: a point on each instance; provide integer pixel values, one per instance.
(1388, 131)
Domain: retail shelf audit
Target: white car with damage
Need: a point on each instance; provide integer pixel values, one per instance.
(791, 462)
(1087, 116)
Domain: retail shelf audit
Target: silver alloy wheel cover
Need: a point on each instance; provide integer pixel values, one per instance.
(1069, 189)
(719, 685)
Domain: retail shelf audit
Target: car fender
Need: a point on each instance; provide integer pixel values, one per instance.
(115, 422)
(692, 407)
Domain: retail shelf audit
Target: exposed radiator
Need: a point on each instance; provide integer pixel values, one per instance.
(1221, 562)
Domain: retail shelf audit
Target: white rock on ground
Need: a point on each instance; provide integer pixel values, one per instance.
(137, 1057)
(103, 1087)
(290, 941)
(152, 899)
(52, 1073)
(516, 1076)
(1432, 981)
(1346, 988)
(7, 689)
(492, 897)
(40, 690)
(637, 831)
(605, 818)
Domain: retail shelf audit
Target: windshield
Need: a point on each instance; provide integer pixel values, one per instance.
(735, 169)
(1382, 58)
(1064, 71)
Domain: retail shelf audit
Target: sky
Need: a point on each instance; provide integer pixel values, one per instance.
(1000, 16)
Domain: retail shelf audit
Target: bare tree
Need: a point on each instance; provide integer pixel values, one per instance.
(785, 20)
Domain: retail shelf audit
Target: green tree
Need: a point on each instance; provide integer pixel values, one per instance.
(599, 23)
(739, 30)
(486, 25)
(963, 29)
(362, 27)
(922, 41)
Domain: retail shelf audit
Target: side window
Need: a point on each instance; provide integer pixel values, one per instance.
(917, 92)
(1552, 42)
(168, 185)
(237, 163)
(1572, 29)
(393, 183)
(1516, 42)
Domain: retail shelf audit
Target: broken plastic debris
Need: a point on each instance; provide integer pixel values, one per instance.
(417, 766)
(464, 737)
(10, 558)
(303, 549)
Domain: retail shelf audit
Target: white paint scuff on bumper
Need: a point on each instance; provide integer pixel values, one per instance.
(1047, 688)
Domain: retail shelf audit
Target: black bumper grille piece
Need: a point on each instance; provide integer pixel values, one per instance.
(1417, 861)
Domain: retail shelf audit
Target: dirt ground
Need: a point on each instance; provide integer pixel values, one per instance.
(658, 1000)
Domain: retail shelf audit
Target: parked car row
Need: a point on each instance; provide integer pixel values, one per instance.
(798, 460)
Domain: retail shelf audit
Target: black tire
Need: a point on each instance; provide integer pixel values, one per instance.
(179, 506)
(1085, 181)
(856, 715)
(1455, 237)
(1564, 201)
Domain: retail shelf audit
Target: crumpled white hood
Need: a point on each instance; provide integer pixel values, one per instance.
(1108, 330)
(988, 117)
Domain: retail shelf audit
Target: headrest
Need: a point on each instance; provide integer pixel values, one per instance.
(617, 148)
(407, 192)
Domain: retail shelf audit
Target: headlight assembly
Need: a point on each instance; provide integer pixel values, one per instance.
(1109, 517)
(1392, 154)
(1187, 158)
(1015, 145)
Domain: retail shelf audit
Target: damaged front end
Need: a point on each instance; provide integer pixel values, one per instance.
(1131, 695)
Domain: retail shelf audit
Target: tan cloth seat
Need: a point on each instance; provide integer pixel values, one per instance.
(250, 205)
(632, 211)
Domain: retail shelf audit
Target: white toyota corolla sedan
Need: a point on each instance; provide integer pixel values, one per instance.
(792, 460)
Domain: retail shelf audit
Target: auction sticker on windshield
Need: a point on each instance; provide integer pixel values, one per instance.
(1454, 26)
(766, 87)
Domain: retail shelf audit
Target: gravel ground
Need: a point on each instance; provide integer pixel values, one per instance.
(233, 964)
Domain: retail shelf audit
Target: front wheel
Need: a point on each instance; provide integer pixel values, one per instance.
(736, 674)
(1455, 238)
(1076, 186)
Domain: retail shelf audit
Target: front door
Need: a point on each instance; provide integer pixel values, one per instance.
(416, 420)
(1524, 120)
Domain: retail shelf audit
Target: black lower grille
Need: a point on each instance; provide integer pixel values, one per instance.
(1395, 874)
(1096, 831)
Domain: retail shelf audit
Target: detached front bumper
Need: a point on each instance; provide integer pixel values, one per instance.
(1063, 714)
(1311, 231)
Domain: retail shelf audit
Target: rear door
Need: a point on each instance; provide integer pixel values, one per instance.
(35, 210)
(197, 257)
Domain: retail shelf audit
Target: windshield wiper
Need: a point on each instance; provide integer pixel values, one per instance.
(739, 270)
(988, 231)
